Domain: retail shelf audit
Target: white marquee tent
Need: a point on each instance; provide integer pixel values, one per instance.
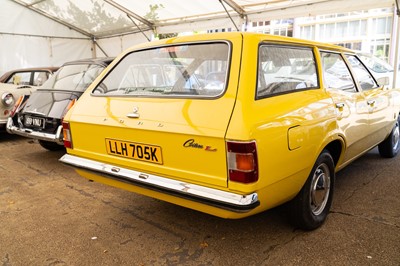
(51, 32)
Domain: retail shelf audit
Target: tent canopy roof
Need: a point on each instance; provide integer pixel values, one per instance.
(106, 18)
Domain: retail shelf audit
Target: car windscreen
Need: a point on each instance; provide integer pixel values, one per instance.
(189, 70)
(73, 77)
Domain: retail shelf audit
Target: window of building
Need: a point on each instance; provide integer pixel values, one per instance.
(307, 32)
(341, 29)
(363, 27)
(330, 30)
(354, 28)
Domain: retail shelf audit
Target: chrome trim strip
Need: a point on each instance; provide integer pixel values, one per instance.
(34, 113)
(30, 133)
(210, 196)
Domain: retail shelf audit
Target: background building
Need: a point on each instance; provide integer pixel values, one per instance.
(368, 31)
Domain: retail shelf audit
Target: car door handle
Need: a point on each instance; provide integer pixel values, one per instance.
(339, 105)
(371, 102)
(133, 115)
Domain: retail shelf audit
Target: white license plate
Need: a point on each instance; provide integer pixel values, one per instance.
(34, 121)
(136, 151)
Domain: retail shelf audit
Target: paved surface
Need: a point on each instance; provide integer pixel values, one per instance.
(51, 216)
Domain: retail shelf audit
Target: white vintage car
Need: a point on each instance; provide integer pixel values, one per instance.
(9, 94)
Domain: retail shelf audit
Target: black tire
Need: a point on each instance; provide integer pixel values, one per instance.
(390, 147)
(309, 209)
(51, 146)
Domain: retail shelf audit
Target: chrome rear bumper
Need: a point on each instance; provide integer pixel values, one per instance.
(209, 196)
(29, 133)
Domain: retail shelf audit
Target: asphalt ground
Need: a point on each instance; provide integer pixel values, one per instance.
(49, 215)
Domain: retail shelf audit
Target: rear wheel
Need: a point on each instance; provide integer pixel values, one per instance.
(390, 147)
(309, 209)
(51, 146)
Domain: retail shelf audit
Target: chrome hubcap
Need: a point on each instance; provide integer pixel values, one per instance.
(320, 188)
(395, 138)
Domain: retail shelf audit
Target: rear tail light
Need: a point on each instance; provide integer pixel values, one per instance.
(71, 103)
(67, 135)
(17, 105)
(242, 161)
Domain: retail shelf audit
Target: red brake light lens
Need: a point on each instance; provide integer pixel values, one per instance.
(71, 103)
(67, 135)
(17, 105)
(242, 161)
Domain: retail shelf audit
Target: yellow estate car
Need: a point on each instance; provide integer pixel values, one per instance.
(231, 124)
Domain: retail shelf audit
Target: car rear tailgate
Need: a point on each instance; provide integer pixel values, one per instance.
(163, 110)
(178, 138)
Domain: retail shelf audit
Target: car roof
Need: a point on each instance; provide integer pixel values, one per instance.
(5, 76)
(103, 61)
(244, 35)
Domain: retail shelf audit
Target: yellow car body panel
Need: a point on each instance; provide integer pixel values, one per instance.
(189, 136)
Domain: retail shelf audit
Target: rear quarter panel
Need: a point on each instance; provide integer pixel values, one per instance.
(290, 131)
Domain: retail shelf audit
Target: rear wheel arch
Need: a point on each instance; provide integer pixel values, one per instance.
(335, 149)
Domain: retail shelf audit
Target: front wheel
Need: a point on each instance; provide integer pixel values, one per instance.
(309, 209)
(390, 147)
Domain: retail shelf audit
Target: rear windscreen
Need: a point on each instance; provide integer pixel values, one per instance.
(190, 70)
(73, 77)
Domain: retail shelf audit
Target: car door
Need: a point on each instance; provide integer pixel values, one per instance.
(378, 101)
(351, 104)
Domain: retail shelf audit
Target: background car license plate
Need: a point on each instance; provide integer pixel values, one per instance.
(132, 150)
(34, 121)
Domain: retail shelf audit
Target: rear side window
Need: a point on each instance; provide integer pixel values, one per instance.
(189, 70)
(284, 69)
(39, 77)
(335, 73)
(20, 78)
(363, 77)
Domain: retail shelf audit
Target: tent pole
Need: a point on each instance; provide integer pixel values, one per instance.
(93, 48)
(237, 29)
(396, 53)
(137, 26)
